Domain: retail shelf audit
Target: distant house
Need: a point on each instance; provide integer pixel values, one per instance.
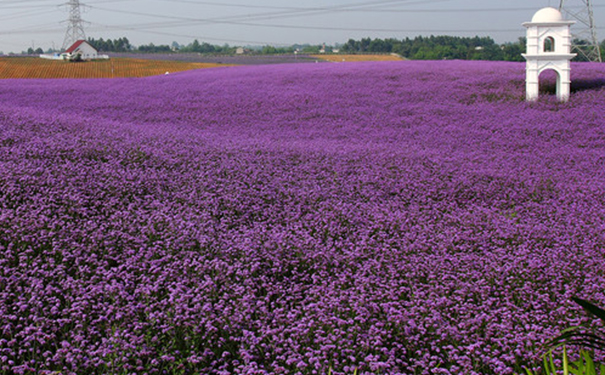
(240, 51)
(85, 50)
(80, 50)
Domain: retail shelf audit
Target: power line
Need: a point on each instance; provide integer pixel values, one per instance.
(20, 15)
(191, 36)
(291, 12)
(371, 10)
(289, 8)
(288, 12)
(586, 32)
(256, 19)
(185, 21)
(75, 30)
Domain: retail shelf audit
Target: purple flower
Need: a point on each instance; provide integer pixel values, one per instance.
(386, 217)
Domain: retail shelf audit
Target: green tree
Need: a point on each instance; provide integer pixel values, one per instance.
(364, 45)
(116, 45)
(351, 46)
(268, 50)
(311, 49)
(196, 46)
(437, 48)
(379, 45)
(513, 51)
(207, 48)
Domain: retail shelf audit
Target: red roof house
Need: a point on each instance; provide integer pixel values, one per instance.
(84, 49)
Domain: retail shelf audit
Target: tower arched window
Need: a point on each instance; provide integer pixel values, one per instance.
(549, 44)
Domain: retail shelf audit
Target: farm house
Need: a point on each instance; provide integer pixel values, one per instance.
(80, 50)
(85, 50)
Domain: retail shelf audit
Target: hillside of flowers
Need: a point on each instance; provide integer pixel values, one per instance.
(392, 217)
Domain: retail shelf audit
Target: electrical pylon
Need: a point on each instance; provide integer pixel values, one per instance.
(75, 30)
(585, 41)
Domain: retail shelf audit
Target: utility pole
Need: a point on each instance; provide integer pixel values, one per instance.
(585, 42)
(75, 30)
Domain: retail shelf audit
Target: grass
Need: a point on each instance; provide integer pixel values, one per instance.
(33, 67)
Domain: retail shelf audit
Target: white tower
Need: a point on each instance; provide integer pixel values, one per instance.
(548, 47)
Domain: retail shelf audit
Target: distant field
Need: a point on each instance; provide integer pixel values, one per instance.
(354, 58)
(223, 59)
(33, 67)
(151, 65)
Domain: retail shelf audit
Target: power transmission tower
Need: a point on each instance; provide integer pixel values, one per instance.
(585, 41)
(75, 30)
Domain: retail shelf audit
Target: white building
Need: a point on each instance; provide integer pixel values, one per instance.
(80, 50)
(86, 51)
(548, 47)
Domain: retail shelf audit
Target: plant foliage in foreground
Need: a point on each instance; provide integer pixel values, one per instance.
(394, 217)
(579, 336)
(584, 365)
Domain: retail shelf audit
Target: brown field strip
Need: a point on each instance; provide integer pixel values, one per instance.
(33, 67)
(355, 58)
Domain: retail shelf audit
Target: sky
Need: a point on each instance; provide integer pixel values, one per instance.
(43, 23)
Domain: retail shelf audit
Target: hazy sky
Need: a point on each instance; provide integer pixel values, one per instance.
(42, 23)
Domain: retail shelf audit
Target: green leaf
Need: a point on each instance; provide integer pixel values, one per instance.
(590, 367)
(553, 369)
(577, 367)
(576, 337)
(565, 334)
(579, 370)
(565, 362)
(590, 308)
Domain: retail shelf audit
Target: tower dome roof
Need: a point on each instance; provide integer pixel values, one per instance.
(547, 15)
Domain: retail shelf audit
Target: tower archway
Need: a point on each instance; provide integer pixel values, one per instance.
(549, 81)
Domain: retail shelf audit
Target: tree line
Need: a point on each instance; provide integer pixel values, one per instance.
(123, 45)
(109, 45)
(451, 47)
(440, 48)
(417, 48)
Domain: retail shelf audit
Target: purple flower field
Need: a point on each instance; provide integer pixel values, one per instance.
(395, 217)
